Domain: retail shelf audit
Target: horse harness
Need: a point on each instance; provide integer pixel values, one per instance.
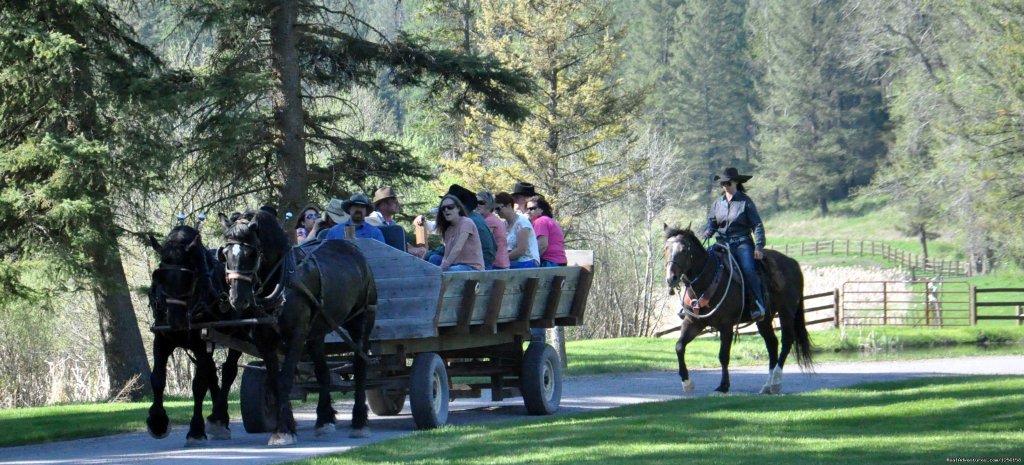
(276, 298)
(691, 303)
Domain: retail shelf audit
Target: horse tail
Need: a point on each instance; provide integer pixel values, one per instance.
(802, 338)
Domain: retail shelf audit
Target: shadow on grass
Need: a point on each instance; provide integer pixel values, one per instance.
(921, 420)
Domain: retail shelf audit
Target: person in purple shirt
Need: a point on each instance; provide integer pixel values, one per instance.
(357, 207)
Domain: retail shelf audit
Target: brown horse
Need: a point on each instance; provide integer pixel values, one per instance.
(721, 304)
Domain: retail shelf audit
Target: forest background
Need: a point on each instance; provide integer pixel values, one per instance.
(117, 115)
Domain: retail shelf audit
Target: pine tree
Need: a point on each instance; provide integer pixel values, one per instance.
(820, 128)
(79, 132)
(571, 49)
(712, 86)
(276, 85)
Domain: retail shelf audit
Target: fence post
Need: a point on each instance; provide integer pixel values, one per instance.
(847, 247)
(885, 304)
(787, 249)
(833, 252)
(838, 316)
(815, 247)
(1020, 315)
(972, 304)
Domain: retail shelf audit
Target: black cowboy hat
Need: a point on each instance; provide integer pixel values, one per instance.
(466, 196)
(357, 199)
(731, 174)
(523, 188)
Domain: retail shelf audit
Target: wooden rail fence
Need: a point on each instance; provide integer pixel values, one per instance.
(904, 260)
(892, 304)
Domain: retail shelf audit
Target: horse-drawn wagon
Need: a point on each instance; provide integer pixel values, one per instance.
(440, 336)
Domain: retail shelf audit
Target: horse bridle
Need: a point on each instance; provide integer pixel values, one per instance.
(249, 275)
(673, 259)
(179, 299)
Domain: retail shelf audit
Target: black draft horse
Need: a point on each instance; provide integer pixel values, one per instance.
(187, 288)
(687, 263)
(261, 267)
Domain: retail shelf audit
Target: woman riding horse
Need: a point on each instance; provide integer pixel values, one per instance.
(734, 216)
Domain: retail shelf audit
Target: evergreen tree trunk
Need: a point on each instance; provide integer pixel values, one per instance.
(822, 205)
(123, 349)
(119, 328)
(292, 176)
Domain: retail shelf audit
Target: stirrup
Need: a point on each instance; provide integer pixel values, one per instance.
(757, 313)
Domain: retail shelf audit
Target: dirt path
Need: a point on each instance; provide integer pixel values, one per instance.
(580, 394)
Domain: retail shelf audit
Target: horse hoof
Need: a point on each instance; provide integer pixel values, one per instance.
(195, 442)
(282, 439)
(688, 387)
(717, 393)
(775, 388)
(766, 389)
(359, 433)
(325, 429)
(159, 436)
(218, 431)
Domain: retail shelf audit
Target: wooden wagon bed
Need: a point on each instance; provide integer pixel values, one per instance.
(422, 308)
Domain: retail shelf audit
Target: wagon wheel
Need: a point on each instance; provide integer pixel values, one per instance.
(256, 403)
(428, 391)
(386, 402)
(541, 379)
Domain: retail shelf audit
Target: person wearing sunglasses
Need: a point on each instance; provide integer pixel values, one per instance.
(550, 238)
(462, 249)
(306, 223)
(485, 206)
(734, 218)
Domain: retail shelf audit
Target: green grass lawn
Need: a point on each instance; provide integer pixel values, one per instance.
(919, 421)
(879, 343)
(73, 421)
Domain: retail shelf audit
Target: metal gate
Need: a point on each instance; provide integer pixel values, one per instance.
(906, 303)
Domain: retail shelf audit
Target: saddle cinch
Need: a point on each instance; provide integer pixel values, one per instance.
(720, 258)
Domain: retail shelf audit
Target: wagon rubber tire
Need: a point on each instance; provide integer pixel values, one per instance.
(541, 379)
(428, 391)
(385, 402)
(256, 404)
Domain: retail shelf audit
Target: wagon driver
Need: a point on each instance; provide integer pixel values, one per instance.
(734, 218)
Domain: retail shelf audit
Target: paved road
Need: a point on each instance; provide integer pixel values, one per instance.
(580, 394)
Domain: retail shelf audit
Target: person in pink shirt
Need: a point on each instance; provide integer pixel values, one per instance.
(462, 250)
(485, 205)
(550, 239)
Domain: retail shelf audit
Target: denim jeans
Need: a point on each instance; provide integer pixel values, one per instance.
(460, 267)
(434, 258)
(744, 253)
(549, 264)
(523, 264)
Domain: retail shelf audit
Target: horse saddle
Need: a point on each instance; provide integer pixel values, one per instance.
(720, 257)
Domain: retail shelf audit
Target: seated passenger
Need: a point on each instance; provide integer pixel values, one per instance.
(462, 250)
(468, 200)
(333, 215)
(485, 207)
(357, 207)
(386, 206)
(522, 243)
(550, 238)
(307, 222)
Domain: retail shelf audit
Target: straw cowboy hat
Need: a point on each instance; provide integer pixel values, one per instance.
(384, 193)
(336, 211)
